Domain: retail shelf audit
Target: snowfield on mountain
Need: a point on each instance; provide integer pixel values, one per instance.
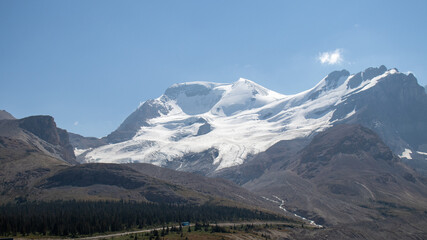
(233, 122)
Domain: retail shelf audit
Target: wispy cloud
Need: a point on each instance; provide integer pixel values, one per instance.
(332, 57)
(76, 123)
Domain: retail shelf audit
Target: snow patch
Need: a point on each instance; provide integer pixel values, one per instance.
(78, 152)
(350, 114)
(406, 154)
(422, 153)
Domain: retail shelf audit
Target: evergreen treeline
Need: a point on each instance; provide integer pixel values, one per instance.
(72, 218)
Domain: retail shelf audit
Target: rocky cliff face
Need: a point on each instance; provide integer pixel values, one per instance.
(132, 124)
(45, 128)
(396, 109)
(42, 133)
(67, 152)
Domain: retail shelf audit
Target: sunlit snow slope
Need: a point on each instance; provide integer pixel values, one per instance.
(234, 120)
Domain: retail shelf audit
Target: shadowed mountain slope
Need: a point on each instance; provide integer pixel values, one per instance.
(22, 165)
(345, 178)
(40, 132)
(215, 187)
(80, 142)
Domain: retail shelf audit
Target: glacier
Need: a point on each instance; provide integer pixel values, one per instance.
(237, 119)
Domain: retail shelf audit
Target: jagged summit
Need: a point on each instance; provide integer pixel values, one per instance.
(336, 78)
(219, 125)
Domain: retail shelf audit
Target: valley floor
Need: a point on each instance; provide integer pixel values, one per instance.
(231, 230)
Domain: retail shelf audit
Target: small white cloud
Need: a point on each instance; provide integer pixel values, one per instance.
(333, 57)
(76, 123)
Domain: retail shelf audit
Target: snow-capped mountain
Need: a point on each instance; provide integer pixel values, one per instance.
(204, 127)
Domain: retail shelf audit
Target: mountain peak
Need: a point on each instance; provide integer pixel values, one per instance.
(42, 126)
(5, 115)
(190, 89)
(243, 95)
(245, 81)
(367, 74)
(248, 87)
(194, 97)
(336, 78)
(372, 72)
(333, 76)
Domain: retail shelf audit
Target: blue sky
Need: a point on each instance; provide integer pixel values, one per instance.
(90, 63)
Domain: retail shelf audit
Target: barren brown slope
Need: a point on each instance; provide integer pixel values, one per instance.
(100, 181)
(214, 187)
(22, 166)
(347, 179)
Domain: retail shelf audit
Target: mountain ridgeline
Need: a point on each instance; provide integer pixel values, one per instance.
(349, 154)
(225, 125)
